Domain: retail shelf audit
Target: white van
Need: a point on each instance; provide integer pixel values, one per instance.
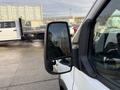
(86, 63)
(9, 30)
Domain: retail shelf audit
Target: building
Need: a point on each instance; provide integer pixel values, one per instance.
(26, 12)
(69, 19)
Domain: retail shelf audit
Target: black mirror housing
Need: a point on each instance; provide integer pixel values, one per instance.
(58, 50)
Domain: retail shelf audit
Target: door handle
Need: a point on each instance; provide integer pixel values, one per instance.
(14, 30)
(0, 31)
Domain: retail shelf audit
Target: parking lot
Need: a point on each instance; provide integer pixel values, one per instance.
(22, 67)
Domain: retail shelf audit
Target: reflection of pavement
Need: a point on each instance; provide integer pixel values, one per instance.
(22, 68)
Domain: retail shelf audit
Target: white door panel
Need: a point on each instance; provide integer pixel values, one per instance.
(68, 79)
(9, 34)
(84, 82)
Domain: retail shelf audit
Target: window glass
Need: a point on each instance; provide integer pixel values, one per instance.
(107, 42)
(7, 24)
(1, 25)
(12, 24)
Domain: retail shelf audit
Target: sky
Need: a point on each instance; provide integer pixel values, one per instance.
(58, 7)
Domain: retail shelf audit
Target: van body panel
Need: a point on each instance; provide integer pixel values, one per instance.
(68, 79)
(84, 82)
(77, 80)
(12, 33)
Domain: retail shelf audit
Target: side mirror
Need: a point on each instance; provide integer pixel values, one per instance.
(58, 51)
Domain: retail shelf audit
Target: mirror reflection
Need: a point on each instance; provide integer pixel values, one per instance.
(62, 65)
(58, 48)
(58, 41)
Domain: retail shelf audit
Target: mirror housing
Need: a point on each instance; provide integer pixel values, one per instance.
(58, 50)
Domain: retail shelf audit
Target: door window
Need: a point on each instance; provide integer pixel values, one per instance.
(7, 24)
(107, 42)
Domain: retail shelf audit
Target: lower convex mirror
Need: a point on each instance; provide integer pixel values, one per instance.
(61, 65)
(58, 55)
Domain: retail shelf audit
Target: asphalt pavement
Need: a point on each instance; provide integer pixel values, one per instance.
(22, 67)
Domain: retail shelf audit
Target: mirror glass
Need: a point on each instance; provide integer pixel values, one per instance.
(58, 47)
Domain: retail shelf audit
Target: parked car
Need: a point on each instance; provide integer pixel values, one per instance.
(91, 64)
(73, 29)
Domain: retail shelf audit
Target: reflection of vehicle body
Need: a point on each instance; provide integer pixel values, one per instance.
(96, 63)
(60, 66)
(111, 45)
(9, 30)
(99, 32)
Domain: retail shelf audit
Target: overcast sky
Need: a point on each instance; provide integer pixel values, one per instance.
(58, 7)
